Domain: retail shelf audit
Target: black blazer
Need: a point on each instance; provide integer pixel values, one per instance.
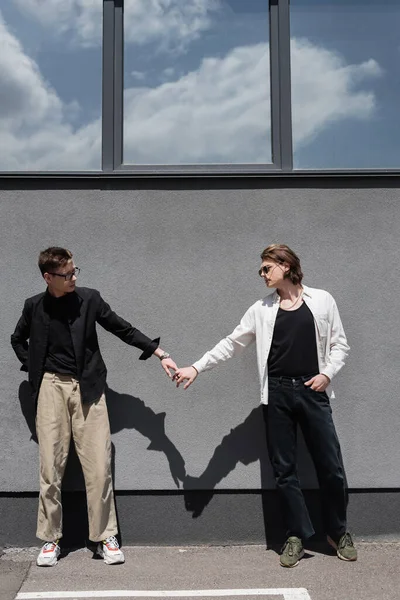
(88, 308)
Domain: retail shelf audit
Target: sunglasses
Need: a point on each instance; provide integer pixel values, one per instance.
(266, 269)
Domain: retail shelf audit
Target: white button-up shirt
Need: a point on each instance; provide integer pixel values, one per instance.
(258, 325)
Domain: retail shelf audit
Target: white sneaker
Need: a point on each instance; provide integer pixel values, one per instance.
(109, 549)
(48, 556)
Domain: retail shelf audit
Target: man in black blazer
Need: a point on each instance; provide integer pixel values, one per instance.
(68, 376)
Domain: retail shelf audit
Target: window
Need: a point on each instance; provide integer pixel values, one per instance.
(345, 83)
(50, 85)
(196, 82)
(199, 86)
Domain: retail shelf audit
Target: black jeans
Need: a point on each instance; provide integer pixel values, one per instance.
(291, 403)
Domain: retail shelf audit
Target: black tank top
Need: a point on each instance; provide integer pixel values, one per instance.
(294, 347)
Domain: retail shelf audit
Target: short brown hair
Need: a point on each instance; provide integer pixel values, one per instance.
(280, 253)
(53, 258)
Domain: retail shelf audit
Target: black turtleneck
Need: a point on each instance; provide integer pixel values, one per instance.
(60, 357)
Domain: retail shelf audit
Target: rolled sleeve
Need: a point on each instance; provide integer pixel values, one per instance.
(149, 350)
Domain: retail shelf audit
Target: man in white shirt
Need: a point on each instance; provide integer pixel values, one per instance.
(301, 346)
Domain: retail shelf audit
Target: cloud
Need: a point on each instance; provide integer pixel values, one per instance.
(221, 112)
(82, 18)
(217, 113)
(208, 115)
(169, 72)
(168, 24)
(18, 74)
(138, 75)
(325, 89)
(35, 125)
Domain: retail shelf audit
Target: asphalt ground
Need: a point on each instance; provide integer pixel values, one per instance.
(230, 571)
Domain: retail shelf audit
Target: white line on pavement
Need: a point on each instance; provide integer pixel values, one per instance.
(287, 593)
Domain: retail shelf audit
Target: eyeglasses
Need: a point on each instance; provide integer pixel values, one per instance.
(266, 269)
(68, 276)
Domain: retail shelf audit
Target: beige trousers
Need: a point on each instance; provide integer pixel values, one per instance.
(61, 412)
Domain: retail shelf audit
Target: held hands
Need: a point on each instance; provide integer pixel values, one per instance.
(319, 383)
(189, 373)
(167, 364)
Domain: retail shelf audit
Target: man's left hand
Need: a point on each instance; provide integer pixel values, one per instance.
(167, 364)
(319, 383)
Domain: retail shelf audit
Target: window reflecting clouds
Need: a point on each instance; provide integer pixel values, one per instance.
(50, 85)
(196, 82)
(345, 83)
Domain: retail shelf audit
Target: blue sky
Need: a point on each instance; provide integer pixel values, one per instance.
(196, 83)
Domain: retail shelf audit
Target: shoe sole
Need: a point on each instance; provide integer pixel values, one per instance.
(110, 561)
(47, 564)
(344, 558)
(295, 564)
(334, 546)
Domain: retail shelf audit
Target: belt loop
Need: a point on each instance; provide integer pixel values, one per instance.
(53, 378)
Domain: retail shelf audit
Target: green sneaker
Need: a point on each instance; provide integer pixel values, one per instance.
(344, 547)
(291, 552)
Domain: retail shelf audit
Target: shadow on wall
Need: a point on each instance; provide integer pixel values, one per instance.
(125, 412)
(247, 443)
(244, 444)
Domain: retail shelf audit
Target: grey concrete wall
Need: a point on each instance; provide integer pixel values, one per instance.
(180, 260)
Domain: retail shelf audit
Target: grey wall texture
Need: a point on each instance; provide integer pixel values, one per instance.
(180, 260)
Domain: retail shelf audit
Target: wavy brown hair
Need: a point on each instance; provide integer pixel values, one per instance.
(280, 254)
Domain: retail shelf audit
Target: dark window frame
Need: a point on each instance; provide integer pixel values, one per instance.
(113, 109)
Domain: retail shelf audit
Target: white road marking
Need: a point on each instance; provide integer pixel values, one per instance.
(287, 593)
